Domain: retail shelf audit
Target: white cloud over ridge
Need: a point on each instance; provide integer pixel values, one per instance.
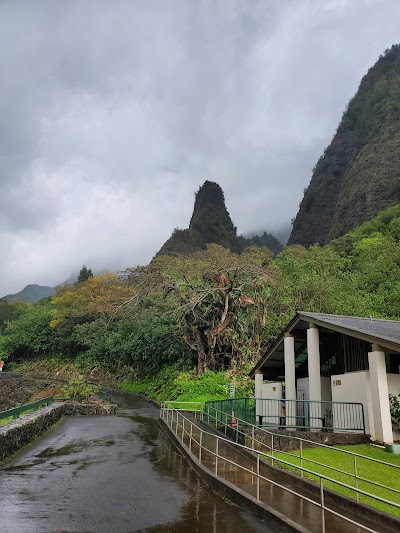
(113, 113)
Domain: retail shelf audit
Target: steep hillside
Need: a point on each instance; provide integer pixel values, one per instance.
(358, 174)
(211, 223)
(30, 294)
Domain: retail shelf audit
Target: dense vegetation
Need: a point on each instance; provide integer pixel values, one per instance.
(358, 174)
(209, 310)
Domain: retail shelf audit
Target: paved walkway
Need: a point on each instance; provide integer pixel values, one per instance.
(299, 510)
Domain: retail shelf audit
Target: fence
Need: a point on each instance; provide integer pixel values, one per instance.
(19, 410)
(262, 440)
(185, 428)
(294, 414)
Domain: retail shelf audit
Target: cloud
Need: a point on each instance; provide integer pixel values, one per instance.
(113, 113)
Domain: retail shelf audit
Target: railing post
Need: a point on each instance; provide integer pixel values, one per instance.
(301, 459)
(190, 438)
(237, 430)
(252, 437)
(272, 449)
(183, 429)
(258, 477)
(216, 457)
(363, 419)
(226, 422)
(322, 505)
(200, 445)
(176, 427)
(356, 478)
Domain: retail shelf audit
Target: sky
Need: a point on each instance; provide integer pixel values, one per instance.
(114, 113)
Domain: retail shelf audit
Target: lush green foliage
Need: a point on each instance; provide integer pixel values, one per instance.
(213, 309)
(171, 384)
(8, 312)
(78, 388)
(395, 408)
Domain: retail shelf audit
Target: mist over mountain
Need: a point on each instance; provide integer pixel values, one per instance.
(211, 223)
(359, 173)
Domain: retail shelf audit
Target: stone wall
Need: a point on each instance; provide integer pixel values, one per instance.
(19, 432)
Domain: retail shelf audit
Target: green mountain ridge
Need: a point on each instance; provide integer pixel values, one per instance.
(30, 294)
(358, 174)
(211, 223)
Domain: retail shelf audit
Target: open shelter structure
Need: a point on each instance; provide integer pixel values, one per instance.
(330, 371)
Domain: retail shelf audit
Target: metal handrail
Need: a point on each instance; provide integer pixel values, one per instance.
(281, 435)
(16, 411)
(216, 454)
(301, 458)
(188, 406)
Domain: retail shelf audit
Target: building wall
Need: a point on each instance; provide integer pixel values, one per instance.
(355, 387)
(272, 391)
(326, 393)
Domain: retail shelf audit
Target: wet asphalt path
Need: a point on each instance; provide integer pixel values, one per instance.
(115, 474)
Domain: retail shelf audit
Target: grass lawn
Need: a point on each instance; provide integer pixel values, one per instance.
(383, 474)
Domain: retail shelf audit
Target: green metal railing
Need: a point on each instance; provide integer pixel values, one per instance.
(19, 409)
(292, 414)
(195, 407)
(243, 408)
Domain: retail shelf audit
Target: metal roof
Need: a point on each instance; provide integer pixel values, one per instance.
(386, 333)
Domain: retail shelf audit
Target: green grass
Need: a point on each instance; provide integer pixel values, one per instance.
(370, 470)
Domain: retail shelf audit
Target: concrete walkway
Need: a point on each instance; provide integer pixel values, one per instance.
(303, 512)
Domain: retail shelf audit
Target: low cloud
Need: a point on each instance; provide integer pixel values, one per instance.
(113, 113)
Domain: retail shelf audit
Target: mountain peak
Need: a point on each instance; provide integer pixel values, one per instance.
(358, 174)
(211, 223)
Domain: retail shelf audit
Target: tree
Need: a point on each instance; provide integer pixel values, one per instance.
(85, 302)
(85, 274)
(217, 299)
(9, 312)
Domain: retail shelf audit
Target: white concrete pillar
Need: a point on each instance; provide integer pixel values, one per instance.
(314, 375)
(290, 380)
(380, 395)
(258, 378)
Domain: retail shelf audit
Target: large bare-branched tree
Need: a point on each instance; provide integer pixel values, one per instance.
(217, 298)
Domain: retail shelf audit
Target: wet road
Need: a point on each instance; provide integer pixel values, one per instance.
(111, 475)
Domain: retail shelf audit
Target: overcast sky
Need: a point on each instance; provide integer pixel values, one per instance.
(114, 112)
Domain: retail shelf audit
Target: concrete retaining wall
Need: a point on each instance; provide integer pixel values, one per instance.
(233, 493)
(19, 432)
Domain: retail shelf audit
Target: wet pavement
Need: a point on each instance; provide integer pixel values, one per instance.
(111, 474)
(301, 511)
